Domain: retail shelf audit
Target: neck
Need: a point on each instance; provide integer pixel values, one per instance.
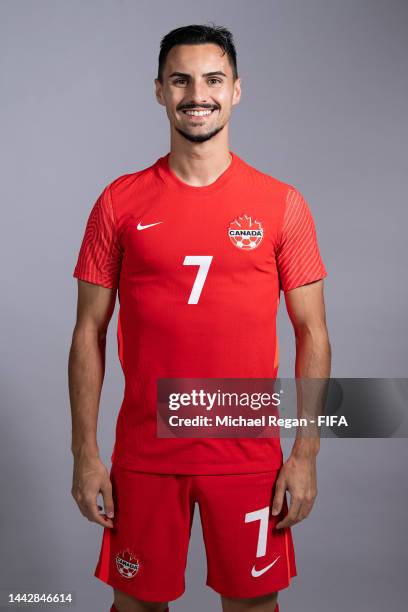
(199, 164)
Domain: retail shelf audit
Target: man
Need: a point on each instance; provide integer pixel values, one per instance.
(198, 246)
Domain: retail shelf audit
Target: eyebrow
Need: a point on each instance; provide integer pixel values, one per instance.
(206, 74)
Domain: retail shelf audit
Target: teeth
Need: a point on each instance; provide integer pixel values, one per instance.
(198, 113)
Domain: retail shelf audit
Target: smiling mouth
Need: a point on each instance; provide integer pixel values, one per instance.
(198, 113)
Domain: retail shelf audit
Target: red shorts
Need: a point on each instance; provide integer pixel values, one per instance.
(145, 553)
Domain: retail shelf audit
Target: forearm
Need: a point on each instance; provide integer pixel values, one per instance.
(313, 361)
(85, 373)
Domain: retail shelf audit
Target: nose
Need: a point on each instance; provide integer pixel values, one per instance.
(198, 93)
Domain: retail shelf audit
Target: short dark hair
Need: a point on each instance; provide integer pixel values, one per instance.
(198, 35)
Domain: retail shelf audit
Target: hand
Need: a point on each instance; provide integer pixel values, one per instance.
(91, 478)
(298, 475)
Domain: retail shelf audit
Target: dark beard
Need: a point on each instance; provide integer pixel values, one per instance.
(200, 137)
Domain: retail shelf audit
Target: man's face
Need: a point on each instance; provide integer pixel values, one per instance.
(198, 78)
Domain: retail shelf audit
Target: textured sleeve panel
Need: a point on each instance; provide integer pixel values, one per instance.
(298, 257)
(100, 255)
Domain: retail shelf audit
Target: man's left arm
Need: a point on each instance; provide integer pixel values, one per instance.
(306, 310)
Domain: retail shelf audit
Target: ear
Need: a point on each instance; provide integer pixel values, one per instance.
(159, 92)
(236, 96)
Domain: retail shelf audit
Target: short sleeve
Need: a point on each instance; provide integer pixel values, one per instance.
(298, 257)
(100, 255)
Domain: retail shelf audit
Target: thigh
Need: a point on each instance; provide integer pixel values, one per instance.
(264, 603)
(246, 555)
(145, 553)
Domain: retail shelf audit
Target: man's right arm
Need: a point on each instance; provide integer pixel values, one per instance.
(85, 374)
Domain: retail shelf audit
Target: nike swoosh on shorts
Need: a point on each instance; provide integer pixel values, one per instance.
(256, 573)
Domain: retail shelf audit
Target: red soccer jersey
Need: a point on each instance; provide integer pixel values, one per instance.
(141, 234)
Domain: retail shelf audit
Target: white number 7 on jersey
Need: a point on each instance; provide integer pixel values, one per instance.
(203, 261)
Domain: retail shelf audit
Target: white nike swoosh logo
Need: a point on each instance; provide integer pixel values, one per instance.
(142, 227)
(256, 573)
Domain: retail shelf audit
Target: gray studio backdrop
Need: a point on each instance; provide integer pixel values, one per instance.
(323, 108)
